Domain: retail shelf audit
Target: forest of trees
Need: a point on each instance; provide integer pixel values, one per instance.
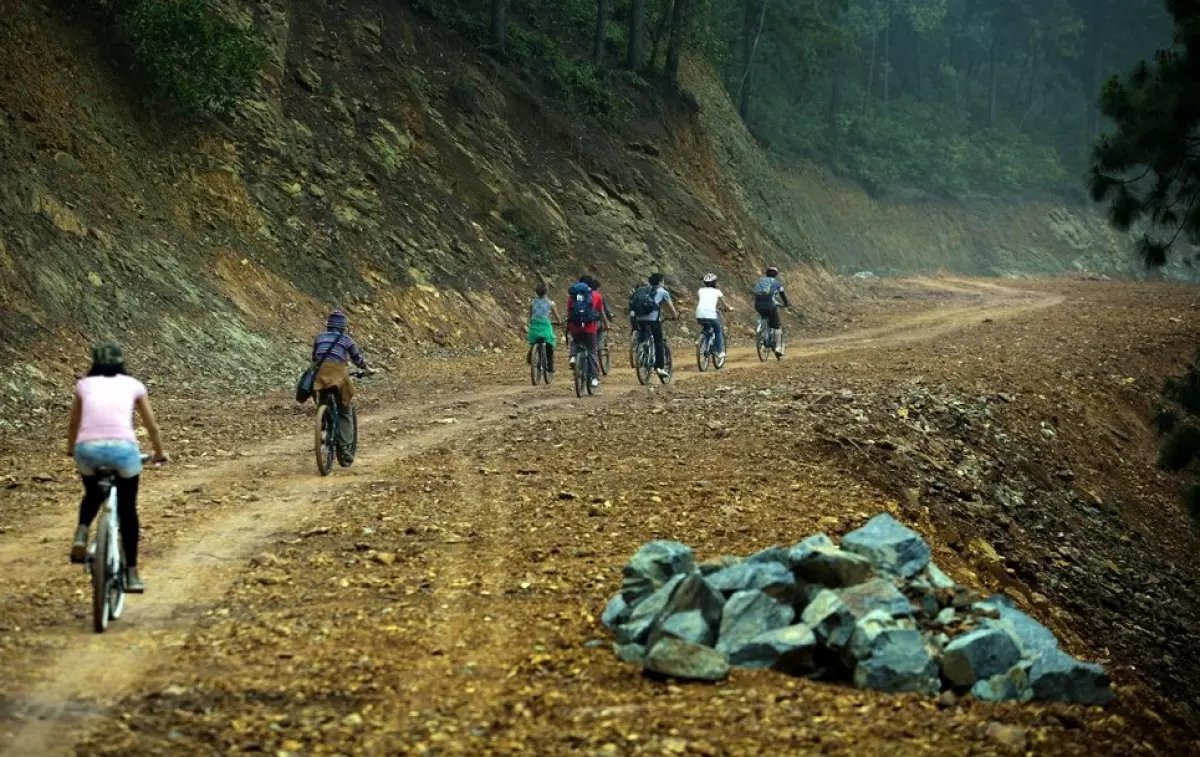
(948, 96)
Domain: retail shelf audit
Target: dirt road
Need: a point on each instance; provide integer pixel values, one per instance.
(439, 596)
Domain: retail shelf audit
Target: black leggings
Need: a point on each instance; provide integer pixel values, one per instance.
(127, 491)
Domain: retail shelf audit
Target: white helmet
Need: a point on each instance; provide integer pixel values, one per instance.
(710, 279)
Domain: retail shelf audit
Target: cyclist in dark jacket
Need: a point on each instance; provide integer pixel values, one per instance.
(768, 294)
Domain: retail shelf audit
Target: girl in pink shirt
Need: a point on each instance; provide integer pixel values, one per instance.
(100, 436)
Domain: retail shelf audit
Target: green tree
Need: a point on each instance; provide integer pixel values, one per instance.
(1148, 169)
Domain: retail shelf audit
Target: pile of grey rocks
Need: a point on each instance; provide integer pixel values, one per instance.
(875, 612)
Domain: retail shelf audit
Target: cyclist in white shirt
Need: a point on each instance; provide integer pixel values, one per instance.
(710, 301)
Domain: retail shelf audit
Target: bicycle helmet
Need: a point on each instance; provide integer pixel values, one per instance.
(710, 279)
(336, 321)
(771, 271)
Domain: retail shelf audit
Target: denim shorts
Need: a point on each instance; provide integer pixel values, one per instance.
(123, 457)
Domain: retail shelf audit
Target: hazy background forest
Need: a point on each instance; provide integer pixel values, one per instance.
(948, 96)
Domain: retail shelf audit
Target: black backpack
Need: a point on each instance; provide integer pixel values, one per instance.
(642, 302)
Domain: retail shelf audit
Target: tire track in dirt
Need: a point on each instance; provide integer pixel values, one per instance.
(92, 672)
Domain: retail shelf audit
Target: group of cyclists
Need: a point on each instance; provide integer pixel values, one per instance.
(589, 318)
(101, 436)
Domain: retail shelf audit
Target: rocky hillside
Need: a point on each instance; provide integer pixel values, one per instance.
(388, 167)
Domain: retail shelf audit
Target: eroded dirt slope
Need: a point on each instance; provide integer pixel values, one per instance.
(443, 595)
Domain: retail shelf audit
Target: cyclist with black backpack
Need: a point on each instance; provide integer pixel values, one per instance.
(646, 304)
(768, 294)
(585, 314)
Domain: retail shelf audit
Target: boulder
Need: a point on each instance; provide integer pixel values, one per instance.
(893, 658)
(1012, 686)
(1032, 637)
(683, 659)
(830, 619)
(652, 566)
(708, 567)
(947, 616)
(690, 625)
(869, 628)
(787, 649)
(631, 653)
(829, 566)
(769, 555)
(816, 541)
(876, 594)
(695, 593)
(771, 578)
(636, 629)
(979, 655)
(615, 612)
(748, 614)
(890, 545)
(1058, 677)
(936, 578)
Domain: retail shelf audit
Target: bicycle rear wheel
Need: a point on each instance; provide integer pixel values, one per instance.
(645, 362)
(760, 342)
(100, 578)
(702, 347)
(348, 449)
(666, 364)
(580, 372)
(325, 438)
(535, 364)
(116, 584)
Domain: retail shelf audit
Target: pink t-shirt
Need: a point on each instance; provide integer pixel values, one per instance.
(108, 403)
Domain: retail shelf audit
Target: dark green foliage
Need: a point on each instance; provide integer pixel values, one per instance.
(1148, 169)
(1180, 448)
(1191, 500)
(188, 59)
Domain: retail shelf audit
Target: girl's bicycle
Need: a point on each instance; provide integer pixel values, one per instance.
(539, 364)
(105, 561)
(706, 349)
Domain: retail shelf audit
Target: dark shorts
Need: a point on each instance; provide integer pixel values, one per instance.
(769, 311)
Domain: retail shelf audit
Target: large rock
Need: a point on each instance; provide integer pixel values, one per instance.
(748, 614)
(1032, 637)
(770, 554)
(889, 544)
(636, 629)
(937, 578)
(876, 594)
(771, 578)
(891, 656)
(615, 613)
(696, 609)
(690, 625)
(979, 655)
(1058, 677)
(787, 649)
(826, 565)
(830, 619)
(652, 566)
(1012, 686)
(683, 659)
(631, 653)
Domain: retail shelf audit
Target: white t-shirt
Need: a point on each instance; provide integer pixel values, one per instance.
(706, 302)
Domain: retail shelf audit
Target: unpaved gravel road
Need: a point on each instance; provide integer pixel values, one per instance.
(437, 596)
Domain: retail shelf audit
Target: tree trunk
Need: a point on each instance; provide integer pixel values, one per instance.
(871, 72)
(1093, 119)
(659, 31)
(637, 34)
(922, 95)
(992, 82)
(499, 24)
(887, 62)
(678, 32)
(751, 46)
(601, 30)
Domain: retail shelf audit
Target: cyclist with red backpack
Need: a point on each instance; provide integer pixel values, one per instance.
(585, 314)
